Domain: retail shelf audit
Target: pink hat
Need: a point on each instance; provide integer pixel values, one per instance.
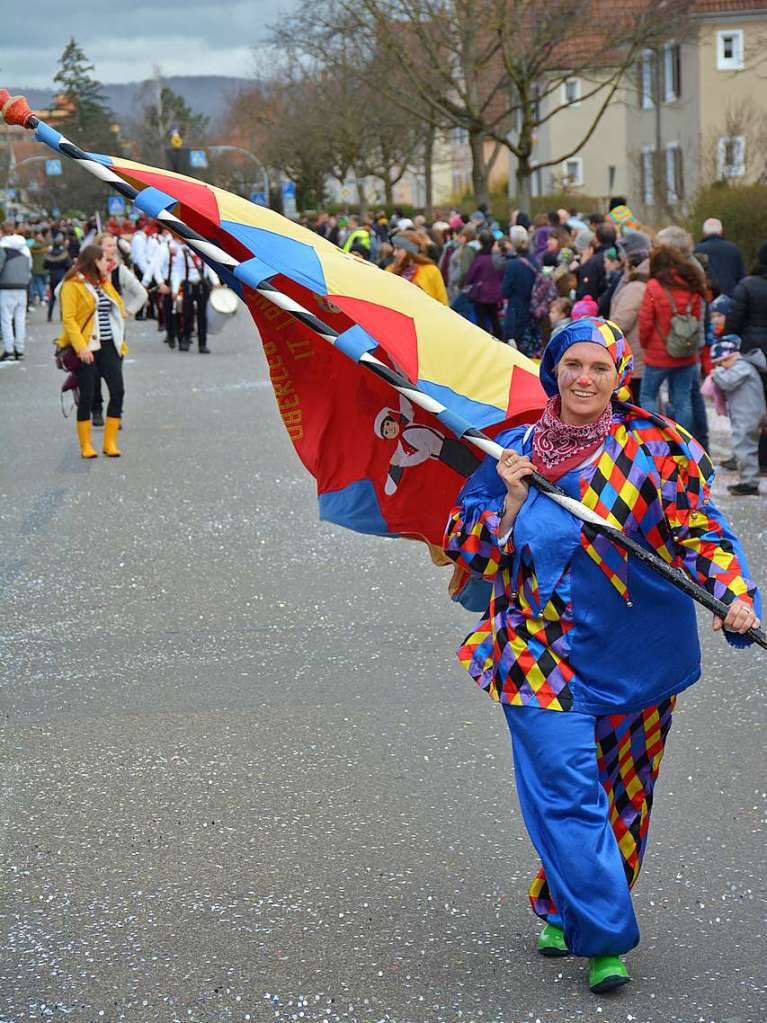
(456, 221)
(585, 306)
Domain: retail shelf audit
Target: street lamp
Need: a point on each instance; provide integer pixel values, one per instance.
(11, 179)
(251, 156)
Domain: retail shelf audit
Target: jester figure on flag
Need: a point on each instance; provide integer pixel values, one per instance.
(585, 579)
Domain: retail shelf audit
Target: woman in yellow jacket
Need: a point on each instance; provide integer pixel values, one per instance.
(93, 319)
(410, 263)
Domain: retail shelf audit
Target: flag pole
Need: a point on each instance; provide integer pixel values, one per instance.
(16, 110)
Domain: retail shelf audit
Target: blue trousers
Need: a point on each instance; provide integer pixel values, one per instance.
(681, 380)
(566, 814)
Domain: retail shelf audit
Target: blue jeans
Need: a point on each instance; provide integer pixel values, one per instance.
(680, 381)
(37, 287)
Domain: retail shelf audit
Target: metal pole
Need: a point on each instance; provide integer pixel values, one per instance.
(252, 156)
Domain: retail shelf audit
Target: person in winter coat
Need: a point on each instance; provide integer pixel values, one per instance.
(725, 258)
(676, 288)
(460, 260)
(517, 287)
(410, 263)
(748, 319)
(93, 319)
(15, 274)
(57, 262)
(592, 275)
(483, 284)
(627, 301)
(740, 377)
(134, 296)
(546, 224)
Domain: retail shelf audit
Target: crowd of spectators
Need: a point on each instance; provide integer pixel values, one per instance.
(522, 280)
(691, 312)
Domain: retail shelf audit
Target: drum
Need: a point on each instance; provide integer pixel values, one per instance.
(222, 306)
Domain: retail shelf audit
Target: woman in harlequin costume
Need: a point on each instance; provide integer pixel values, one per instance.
(586, 650)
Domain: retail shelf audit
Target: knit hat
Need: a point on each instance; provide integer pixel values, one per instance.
(722, 304)
(400, 241)
(456, 221)
(585, 307)
(598, 332)
(634, 243)
(725, 346)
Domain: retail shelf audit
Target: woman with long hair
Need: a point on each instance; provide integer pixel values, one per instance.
(93, 318)
(671, 326)
(410, 262)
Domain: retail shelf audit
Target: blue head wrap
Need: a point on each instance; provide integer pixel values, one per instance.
(597, 331)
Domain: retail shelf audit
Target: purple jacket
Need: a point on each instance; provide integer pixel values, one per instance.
(484, 279)
(540, 239)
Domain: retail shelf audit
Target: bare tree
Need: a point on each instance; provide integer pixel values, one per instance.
(280, 122)
(495, 68)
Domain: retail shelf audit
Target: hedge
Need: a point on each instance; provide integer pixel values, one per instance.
(742, 210)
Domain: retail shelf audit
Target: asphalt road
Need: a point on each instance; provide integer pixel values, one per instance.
(242, 776)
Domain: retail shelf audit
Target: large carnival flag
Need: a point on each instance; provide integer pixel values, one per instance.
(382, 465)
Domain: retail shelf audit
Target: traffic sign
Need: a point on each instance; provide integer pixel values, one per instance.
(259, 198)
(198, 158)
(289, 198)
(116, 206)
(53, 168)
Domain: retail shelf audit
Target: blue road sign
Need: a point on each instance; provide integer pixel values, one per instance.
(53, 168)
(289, 198)
(198, 158)
(116, 206)
(258, 197)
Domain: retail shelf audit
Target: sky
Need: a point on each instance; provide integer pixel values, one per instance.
(125, 41)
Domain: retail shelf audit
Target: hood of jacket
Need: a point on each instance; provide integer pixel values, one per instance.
(13, 241)
(757, 358)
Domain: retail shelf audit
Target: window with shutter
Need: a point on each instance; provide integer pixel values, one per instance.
(672, 72)
(647, 80)
(674, 173)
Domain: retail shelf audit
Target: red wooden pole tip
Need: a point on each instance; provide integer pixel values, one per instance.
(15, 109)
